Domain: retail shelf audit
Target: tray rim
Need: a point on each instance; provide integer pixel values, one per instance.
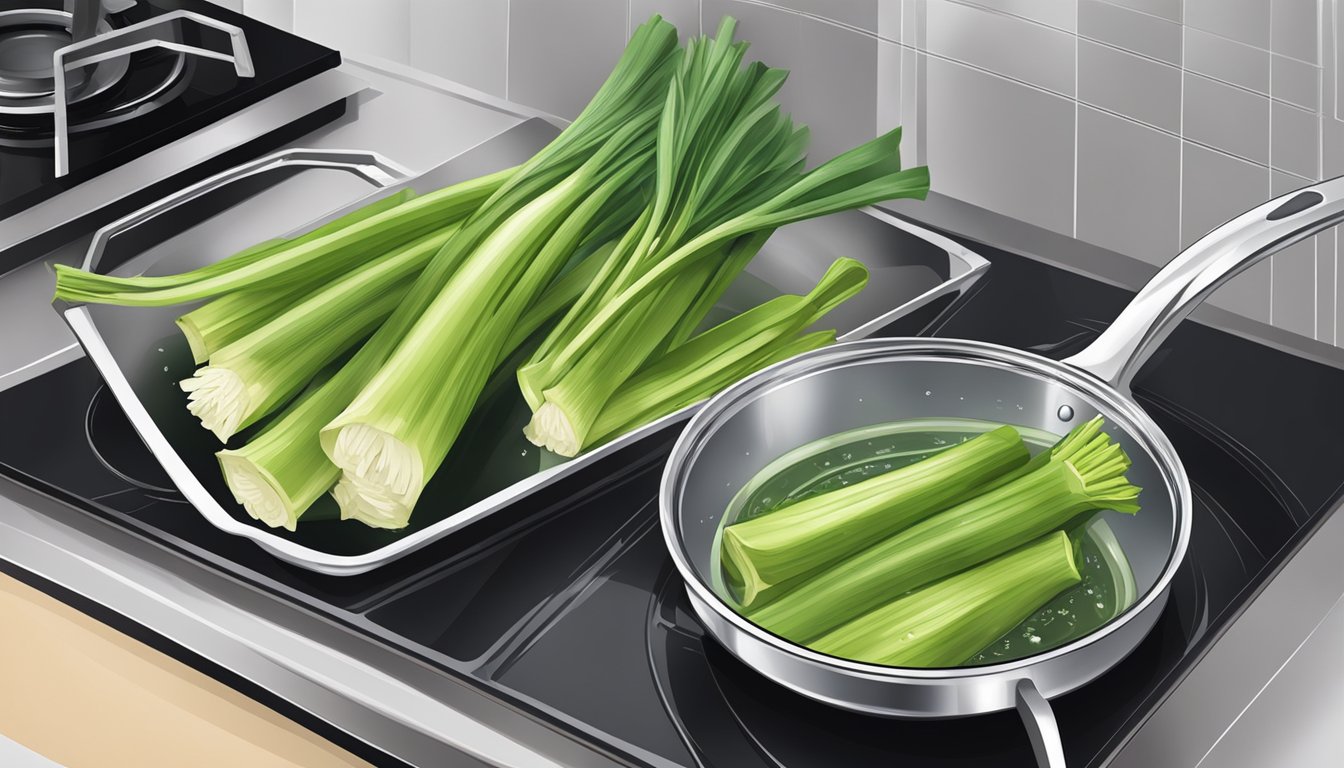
(966, 268)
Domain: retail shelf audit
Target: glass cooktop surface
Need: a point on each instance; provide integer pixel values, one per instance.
(568, 607)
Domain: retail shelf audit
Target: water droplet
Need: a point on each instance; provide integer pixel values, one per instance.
(939, 441)
(165, 369)
(748, 453)
(524, 452)
(1036, 639)
(961, 398)
(1065, 412)
(1100, 606)
(1019, 406)
(909, 636)
(846, 456)
(860, 399)
(826, 464)
(160, 349)
(928, 393)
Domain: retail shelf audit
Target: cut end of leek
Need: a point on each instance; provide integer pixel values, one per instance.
(740, 566)
(551, 429)
(200, 352)
(218, 397)
(254, 489)
(369, 504)
(383, 465)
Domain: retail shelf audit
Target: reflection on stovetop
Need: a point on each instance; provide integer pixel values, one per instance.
(567, 605)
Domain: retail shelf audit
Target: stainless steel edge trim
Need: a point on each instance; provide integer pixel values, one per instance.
(243, 126)
(376, 694)
(763, 648)
(372, 166)
(61, 62)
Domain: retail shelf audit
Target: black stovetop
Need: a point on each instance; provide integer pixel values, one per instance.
(568, 607)
(204, 91)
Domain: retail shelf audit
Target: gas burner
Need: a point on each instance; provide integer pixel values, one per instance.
(28, 40)
(103, 93)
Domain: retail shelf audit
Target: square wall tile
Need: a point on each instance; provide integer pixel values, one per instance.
(1002, 44)
(1167, 9)
(373, 27)
(856, 13)
(889, 56)
(1001, 145)
(1332, 148)
(1215, 188)
(1296, 82)
(832, 72)
(1060, 14)
(1227, 60)
(560, 53)
(683, 14)
(1134, 31)
(914, 107)
(277, 13)
(1293, 300)
(1325, 287)
(1294, 29)
(1129, 187)
(1138, 88)
(1246, 21)
(1226, 118)
(466, 41)
(1295, 141)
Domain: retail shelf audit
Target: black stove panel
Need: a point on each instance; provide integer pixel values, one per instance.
(568, 606)
(160, 98)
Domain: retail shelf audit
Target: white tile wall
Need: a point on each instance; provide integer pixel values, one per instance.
(1132, 124)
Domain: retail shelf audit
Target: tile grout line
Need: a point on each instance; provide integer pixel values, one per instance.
(1077, 99)
(1180, 152)
(508, 38)
(1269, 152)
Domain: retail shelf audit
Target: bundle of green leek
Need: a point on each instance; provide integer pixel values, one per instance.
(360, 349)
(927, 564)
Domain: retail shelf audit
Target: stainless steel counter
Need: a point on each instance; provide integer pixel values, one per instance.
(1254, 684)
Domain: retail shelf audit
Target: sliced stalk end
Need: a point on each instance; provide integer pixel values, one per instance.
(200, 351)
(219, 398)
(740, 565)
(257, 491)
(552, 429)
(379, 472)
(369, 503)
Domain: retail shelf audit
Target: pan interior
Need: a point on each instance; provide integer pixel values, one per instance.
(742, 439)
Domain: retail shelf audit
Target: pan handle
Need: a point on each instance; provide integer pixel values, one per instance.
(1041, 726)
(1211, 261)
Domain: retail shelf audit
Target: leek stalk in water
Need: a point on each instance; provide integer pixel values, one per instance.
(949, 621)
(1086, 472)
(821, 530)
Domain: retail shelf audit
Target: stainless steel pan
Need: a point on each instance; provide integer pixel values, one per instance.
(856, 384)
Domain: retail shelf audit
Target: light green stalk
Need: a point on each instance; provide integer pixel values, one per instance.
(827, 528)
(250, 377)
(328, 252)
(947, 622)
(1085, 473)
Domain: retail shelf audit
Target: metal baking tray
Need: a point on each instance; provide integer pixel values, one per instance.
(141, 356)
